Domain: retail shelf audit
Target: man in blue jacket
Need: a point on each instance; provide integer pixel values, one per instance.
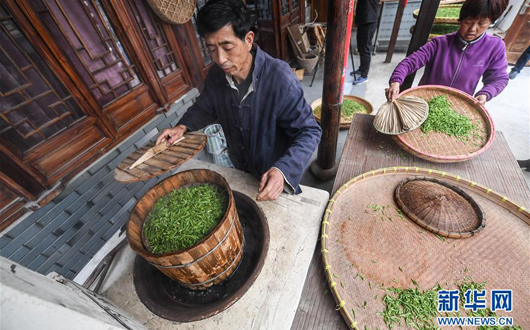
(270, 129)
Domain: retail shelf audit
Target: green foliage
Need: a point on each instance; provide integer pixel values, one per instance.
(448, 12)
(349, 108)
(468, 284)
(443, 119)
(182, 218)
(417, 308)
(441, 29)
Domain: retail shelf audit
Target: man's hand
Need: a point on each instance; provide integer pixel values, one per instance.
(270, 186)
(171, 134)
(481, 99)
(392, 91)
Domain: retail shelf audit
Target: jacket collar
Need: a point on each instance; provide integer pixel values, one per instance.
(259, 60)
(468, 43)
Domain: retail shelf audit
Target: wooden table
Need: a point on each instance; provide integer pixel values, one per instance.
(366, 149)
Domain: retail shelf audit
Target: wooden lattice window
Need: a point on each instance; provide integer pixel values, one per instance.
(154, 36)
(264, 9)
(202, 45)
(85, 33)
(285, 7)
(296, 4)
(34, 104)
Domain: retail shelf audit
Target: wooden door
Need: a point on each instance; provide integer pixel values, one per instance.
(45, 130)
(86, 33)
(290, 15)
(518, 37)
(273, 19)
(161, 49)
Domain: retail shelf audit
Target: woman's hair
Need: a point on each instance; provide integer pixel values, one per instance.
(491, 9)
(218, 13)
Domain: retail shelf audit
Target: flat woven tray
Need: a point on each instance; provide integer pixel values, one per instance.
(367, 248)
(173, 11)
(344, 123)
(438, 19)
(440, 147)
(167, 160)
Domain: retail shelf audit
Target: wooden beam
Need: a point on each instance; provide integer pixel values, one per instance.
(420, 36)
(395, 30)
(336, 41)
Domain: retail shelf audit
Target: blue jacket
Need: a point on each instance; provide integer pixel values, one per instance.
(273, 126)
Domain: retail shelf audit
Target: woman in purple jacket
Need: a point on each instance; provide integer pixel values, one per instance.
(459, 59)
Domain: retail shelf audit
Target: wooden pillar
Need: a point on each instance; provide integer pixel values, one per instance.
(395, 30)
(337, 38)
(420, 36)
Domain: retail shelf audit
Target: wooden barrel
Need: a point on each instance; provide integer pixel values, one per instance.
(208, 262)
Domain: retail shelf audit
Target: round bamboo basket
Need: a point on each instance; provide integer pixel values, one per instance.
(208, 262)
(440, 147)
(438, 19)
(174, 11)
(440, 207)
(344, 123)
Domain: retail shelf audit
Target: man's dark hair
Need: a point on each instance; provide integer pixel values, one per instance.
(218, 13)
(491, 9)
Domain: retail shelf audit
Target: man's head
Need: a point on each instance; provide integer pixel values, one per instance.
(477, 15)
(225, 26)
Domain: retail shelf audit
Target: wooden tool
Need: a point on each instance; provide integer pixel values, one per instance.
(153, 152)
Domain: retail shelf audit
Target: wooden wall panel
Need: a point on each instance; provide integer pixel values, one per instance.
(6, 196)
(74, 151)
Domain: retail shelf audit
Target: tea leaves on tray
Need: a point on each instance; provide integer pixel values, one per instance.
(448, 12)
(349, 108)
(182, 218)
(443, 119)
(417, 309)
(440, 29)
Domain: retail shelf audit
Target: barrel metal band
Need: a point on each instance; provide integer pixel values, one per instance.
(201, 257)
(224, 271)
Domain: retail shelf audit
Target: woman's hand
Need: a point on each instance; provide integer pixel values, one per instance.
(171, 134)
(392, 91)
(481, 99)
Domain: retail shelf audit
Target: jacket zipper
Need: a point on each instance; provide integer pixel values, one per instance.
(459, 64)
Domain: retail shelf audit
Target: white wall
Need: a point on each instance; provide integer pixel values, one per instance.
(507, 22)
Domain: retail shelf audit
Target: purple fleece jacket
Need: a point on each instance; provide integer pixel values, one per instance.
(453, 62)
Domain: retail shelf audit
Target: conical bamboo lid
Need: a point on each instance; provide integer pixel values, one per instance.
(439, 207)
(402, 115)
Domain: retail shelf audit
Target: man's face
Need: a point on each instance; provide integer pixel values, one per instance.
(229, 52)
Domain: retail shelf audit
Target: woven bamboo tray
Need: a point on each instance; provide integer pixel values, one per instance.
(440, 147)
(344, 123)
(363, 254)
(446, 20)
(173, 11)
(167, 160)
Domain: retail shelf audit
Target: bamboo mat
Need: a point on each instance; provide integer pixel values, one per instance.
(364, 249)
